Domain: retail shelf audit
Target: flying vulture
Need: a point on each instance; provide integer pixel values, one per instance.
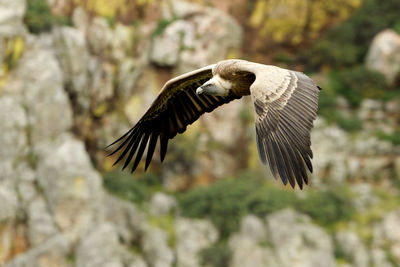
(285, 104)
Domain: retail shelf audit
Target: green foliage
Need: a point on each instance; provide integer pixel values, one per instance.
(394, 137)
(39, 18)
(222, 201)
(285, 58)
(268, 199)
(347, 44)
(218, 255)
(161, 26)
(326, 52)
(357, 83)
(125, 186)
(328, 207)
(350, 123)
(226, 201)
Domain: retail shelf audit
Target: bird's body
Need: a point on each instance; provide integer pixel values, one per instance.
(285, 105)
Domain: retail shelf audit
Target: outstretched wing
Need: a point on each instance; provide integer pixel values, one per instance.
(172, 111)
(284, 118)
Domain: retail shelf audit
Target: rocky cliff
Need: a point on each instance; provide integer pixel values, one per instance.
(67, 92)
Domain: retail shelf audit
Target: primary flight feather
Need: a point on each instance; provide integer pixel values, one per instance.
(285, 104)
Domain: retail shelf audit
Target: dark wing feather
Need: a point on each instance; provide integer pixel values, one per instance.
(173, 110)
(283, 129)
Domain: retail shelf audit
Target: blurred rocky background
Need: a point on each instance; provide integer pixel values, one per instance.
(76, 74)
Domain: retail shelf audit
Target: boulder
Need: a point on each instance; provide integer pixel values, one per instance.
(387, 235)
(11, 18)
(329, 145)
(185, 41)
(162, 204)
(80, 19)
(250, 245)
(364, 196)
(155, 247)
(297, 241)
(379, 258)
(192, 236)
(353, 248)
(384, 55)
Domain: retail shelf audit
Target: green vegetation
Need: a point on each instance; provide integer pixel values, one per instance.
(394, 137)
(227, 201)
(342, 50)
(124, 185)
(328, 207)
(161, 26)
(269, 199)
(39, 18)
(217, 255)
(347, 44)
(223, 201)
(358, 83)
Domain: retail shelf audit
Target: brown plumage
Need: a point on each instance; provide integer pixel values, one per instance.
(285, 105)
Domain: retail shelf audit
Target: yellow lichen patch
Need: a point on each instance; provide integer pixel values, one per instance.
(100, 110)
(294, 20)
(13, 49)
(80, 187)
(108, 164)
(18, 48)
(113, 8)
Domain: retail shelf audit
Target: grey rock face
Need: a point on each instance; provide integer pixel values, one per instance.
(297, 241)
(192, 236)
(186, 42)
(384, 55)
(387, 235)
(13, 123)
(253, 228)
(353, 248)
(162, 204)
(52, 252)
(39, 87)
(8, 204)
(99, 247)
(11, 16)
(99, 35)
(74, 194)
(72, 51)
(155, 247)
(340, 158)
(128, 220)
(247, 245)
(40, 223)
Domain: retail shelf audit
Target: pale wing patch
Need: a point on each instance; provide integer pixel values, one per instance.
(284, 118)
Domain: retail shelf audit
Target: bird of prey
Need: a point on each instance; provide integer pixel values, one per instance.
(285, 104)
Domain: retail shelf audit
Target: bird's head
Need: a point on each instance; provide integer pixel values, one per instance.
(215, 86)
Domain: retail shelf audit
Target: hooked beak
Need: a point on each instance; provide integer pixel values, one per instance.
(200, 90)
(209, 88)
